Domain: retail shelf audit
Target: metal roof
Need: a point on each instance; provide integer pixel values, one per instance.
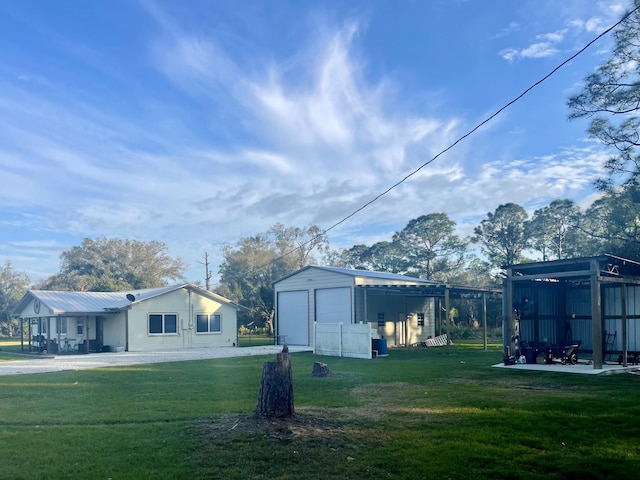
(365, 274)
(62, 303)
(605, 266)
(400, 284)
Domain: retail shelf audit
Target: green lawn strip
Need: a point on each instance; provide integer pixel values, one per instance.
(255, 340)
(418, 413)
(131, 451)
(10, 349)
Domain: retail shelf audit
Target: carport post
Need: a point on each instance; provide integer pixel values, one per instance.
(446, 306)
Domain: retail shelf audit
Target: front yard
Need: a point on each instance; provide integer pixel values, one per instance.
(418, 413)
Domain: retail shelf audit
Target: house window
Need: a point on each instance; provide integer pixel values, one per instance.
(80, 328)
(208, 323)
(421, 319)
(63, 326)
(44, 325)
(163, 324)
(381, 320)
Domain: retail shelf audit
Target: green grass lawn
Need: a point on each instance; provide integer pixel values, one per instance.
(419, 413)
(10, 349)
(255, 340)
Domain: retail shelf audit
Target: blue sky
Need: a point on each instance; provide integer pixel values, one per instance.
(197, 123)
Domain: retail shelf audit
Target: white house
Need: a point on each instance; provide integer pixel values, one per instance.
(172, 317)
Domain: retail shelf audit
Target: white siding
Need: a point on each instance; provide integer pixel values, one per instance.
(186, 306)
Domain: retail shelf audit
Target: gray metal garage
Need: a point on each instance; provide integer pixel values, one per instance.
(399, 308)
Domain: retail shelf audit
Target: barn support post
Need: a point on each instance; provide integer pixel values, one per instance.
(484, 319)
(596, 316)
(507, 314)
(623, 308)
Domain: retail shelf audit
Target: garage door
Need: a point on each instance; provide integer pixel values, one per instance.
(333, 305)
(293, 316)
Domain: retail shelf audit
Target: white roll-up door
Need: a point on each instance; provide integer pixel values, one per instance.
(293, 316)
(333, 305)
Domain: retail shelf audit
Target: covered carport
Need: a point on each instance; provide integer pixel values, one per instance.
(440, 294)
(591, 300)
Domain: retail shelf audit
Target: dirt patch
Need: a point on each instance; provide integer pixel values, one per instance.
(301, 425)
(544, 387)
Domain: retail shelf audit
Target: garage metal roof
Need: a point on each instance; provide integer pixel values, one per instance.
(376, 275)
(396, 284)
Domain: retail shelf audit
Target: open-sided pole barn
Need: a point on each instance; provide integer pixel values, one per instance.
(591, 300)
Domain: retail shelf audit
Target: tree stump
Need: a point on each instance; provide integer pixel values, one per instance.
(320, 370)
(275, 399)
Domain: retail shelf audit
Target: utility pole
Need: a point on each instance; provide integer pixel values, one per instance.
(207, 274)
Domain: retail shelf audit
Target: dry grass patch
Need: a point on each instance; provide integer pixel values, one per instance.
(303, 426)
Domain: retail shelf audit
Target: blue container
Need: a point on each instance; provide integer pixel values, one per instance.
(383, 347)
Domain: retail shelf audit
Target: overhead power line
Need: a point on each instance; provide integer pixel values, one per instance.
(460, 139)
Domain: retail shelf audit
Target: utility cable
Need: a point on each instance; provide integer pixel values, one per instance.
(460, 139)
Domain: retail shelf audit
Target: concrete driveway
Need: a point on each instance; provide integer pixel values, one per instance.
(59, 363)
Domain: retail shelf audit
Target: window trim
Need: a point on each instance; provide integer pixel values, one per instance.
(210, 317)
(164, 333)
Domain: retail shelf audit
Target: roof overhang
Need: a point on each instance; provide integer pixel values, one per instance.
(426, 290)
(606, 268)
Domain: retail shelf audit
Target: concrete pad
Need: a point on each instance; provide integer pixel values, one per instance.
(581, 368)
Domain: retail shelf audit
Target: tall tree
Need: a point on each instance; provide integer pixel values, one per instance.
(379, 257)
(431, 247)
(115, 264)
(13, 285)
(477, 273)
(613, 223)
(553, 230)
(502, 235)
(249, 268)
(611, 98)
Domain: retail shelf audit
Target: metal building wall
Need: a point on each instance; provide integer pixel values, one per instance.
(612, 305)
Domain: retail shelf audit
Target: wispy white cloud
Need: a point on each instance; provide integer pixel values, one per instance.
(227, 147)
(549, 44)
